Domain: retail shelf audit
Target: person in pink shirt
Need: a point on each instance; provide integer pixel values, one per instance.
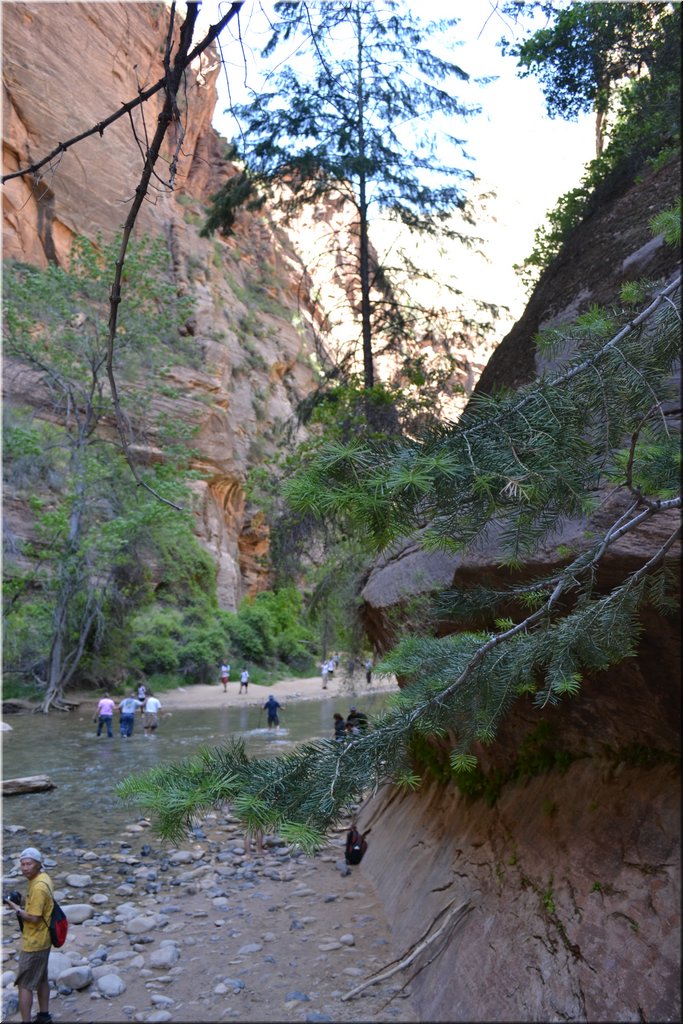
(105, 714)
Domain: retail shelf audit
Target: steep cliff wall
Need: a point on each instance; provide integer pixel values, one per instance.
(563, 877)
(254, 362)
(256, 327)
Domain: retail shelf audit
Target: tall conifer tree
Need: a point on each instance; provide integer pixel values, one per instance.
(352, 114)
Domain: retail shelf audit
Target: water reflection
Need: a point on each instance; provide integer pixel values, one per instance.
(85, 768)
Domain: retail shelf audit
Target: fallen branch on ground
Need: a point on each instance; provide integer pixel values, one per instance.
(414, 952)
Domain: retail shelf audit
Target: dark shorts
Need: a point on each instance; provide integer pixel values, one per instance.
(32, 969)
(273, 720)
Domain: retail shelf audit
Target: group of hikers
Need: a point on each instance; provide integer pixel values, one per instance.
(143, 700)
(330, 665)
(355, 724)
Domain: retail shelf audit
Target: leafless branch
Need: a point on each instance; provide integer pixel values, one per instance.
(142, 97)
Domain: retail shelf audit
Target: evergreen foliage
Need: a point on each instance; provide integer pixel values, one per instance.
(351, 118)
(589, 49)
(516, 466)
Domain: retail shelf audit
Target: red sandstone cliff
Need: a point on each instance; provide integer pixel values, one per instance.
(254, 362)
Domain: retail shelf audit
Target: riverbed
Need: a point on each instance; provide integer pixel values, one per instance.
(86, 768)
(209, 931)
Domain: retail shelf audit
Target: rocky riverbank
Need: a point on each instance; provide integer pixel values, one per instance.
(207, 932)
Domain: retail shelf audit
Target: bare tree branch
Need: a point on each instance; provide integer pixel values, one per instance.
(142, 97)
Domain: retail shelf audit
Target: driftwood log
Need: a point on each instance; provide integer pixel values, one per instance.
(29, 784)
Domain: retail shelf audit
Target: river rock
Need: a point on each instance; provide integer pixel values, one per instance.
(251, 947)
(10, 1003)
(347, 939)
(140, 925)
(56, 964)
(181, 857)
(111, 985)
(7, 978)
(158, 1017)
(77, 913)
(78, 881)
(297, 997)
(166, 956)
(99, 970)
(236, 984)
(75, 977)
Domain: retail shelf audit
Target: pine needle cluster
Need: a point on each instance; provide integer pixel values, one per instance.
(513, 469)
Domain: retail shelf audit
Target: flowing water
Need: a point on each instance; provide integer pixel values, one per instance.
(86, 769)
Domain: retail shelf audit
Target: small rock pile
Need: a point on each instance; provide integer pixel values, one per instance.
(207, 932)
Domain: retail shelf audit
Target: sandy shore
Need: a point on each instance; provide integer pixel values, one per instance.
(204, 697)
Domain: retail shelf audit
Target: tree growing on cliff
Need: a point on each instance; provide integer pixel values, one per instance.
(359, 129)
(89, 519)
(513, 469)
(590, 50)
(178, 53)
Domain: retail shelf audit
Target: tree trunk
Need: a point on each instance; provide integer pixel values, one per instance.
(364, 241)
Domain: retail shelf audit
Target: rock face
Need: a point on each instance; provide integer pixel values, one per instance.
(562, 879)
(255, 329)
(254, 362)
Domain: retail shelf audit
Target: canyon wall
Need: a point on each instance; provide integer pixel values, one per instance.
(254, 356)
(558, 887)
(250, 330)
(256, 328)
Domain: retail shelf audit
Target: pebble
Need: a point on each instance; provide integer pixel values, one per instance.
(297, 997)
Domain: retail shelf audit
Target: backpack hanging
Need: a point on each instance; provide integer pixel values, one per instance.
(356, 845)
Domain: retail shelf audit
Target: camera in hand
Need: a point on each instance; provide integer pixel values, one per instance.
(14, 896)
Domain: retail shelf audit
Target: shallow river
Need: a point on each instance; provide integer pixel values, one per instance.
(85, 769)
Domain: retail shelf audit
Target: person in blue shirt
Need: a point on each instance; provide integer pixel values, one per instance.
(272, 707)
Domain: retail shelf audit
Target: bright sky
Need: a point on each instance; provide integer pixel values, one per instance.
(528, 159)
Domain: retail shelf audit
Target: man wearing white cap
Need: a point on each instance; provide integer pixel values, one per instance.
(35, 937)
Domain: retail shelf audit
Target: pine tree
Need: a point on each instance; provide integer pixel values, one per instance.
(356, 129)
(588, 51)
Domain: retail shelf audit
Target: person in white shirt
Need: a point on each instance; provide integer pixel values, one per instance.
(325, 671)
(127, 708)
(152, 706)
(225, 676)
(244, 680)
